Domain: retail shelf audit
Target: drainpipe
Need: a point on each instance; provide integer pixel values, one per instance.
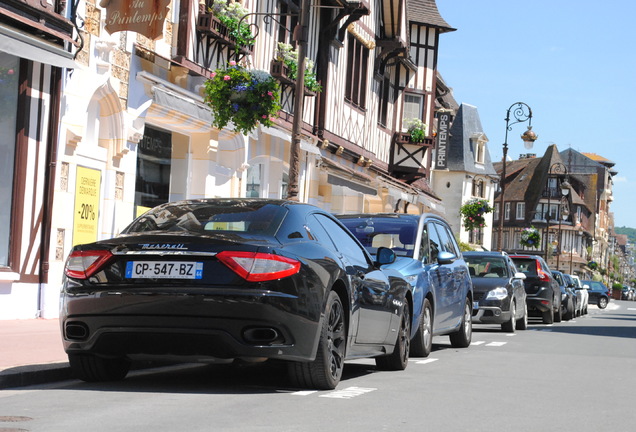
(49, 184)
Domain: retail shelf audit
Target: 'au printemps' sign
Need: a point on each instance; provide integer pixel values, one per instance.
(142, 16)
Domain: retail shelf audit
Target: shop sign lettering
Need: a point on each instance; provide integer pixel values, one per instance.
(145, 17)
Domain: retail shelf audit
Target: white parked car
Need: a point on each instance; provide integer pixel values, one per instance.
(582, 295)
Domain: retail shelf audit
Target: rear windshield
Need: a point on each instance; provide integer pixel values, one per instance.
(486, 266)
(595, 286)
(206, 217)
(526, 265)
(373, 232)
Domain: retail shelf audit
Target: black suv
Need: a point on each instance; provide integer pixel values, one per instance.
(543, 294)
(599, 294)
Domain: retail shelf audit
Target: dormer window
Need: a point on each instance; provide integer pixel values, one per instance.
(478, 143)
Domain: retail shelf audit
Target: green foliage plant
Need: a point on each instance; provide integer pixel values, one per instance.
(289, 56)
(245, 97)
(417, 129)
(473, 212)
(231, 14)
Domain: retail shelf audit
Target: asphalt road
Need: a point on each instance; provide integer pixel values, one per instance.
(578, 375)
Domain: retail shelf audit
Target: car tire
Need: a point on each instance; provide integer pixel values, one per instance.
(557, 314)
(548, 316)
(602, 303)
(91, 368)
(569, 313)
(462, 337)
(422, 343)
(522, 323)
(511, 325)
(325, 371)
(399, 358)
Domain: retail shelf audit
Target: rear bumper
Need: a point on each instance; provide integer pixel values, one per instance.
(539, 304)
(249, 326)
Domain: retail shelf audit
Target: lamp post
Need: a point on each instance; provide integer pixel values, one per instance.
(521, 113)
(556, 169)
(564, 213)
(294, 150)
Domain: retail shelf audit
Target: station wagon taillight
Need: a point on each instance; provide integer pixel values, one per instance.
(84, 264)
(543, 276)
(259, 267)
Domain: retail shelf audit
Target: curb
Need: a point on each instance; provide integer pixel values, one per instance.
(23, 376)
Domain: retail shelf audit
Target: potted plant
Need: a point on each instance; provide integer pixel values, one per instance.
(223, 21)
(473, 212)
(285, 68)
(245, 97)
(416, 131)
(530, 237)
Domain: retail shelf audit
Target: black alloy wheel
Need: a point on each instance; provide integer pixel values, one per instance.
(399, 358)
(325, 371)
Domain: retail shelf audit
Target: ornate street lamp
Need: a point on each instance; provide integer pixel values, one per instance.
(556, 170)
(521, 113)
(563, 209)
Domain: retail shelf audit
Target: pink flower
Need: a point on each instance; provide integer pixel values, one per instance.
(213, 74)
(227, 78)
(10, 71)
(270, 94)
(232, 63)
(264, 116)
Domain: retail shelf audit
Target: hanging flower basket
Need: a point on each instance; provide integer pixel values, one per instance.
(530, 237)
(245, 97)
(473, 212)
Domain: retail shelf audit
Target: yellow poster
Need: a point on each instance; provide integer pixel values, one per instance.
(87, 186)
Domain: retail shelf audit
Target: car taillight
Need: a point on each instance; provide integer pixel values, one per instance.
(543, 276)
(258, 267)
(84, 264)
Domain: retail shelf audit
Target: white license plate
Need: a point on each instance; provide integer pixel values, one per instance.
(475, 305)
(164, 270)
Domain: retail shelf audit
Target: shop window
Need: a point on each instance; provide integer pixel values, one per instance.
(154, 158)
(254, 181)
(9, 73)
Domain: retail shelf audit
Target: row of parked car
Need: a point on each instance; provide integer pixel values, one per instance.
(224, 280)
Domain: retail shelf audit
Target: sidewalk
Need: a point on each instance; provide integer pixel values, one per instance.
(31, 353)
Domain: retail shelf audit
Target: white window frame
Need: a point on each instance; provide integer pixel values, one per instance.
(507, 210)
(520, 212)
(412, 109)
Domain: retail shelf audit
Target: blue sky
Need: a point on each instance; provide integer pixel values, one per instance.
(572, 61)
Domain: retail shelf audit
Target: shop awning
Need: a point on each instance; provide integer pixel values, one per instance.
(29, 47)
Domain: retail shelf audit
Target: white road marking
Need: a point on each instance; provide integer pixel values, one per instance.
(631, 308)
(478, 343)
(496, 344)
(304, 392)
(511, 334)
(348, 393)
(431, 360)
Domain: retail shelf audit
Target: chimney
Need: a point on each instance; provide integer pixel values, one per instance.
(528, 156)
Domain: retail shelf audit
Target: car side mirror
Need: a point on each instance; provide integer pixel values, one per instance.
(445, 258)
(520, 275)
(385, 255)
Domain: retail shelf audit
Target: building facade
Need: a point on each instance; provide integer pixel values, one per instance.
(132, 129)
